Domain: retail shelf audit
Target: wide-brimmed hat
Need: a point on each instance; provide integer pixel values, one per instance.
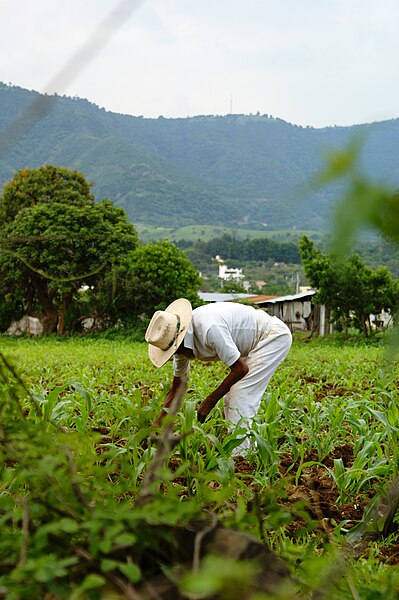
(166, 331)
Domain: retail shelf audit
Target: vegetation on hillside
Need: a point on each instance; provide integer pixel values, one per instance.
(231, 247)
(231, 170)
(95, 501)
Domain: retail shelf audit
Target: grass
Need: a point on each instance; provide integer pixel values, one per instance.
(326, 442)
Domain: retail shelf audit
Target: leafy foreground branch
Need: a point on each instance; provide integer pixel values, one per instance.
(79, 520)
(75, 523)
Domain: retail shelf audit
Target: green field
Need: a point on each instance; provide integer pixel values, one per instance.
(192, 233)
(326, 452)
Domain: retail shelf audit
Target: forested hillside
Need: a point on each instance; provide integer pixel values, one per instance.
(230, 170)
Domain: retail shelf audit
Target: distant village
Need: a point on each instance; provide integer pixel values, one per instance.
(298, 311)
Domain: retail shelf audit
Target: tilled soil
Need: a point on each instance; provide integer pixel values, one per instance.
(322, 509)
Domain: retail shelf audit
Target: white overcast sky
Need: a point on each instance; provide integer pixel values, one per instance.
(309, 62)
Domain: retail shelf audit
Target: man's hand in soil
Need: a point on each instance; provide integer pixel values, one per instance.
(237, 371)
(204, 409)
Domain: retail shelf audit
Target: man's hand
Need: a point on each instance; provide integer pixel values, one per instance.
(237, 371)
(205, 408)
(202, 414)
(179, 385)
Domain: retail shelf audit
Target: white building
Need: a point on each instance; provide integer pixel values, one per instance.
(226, 274)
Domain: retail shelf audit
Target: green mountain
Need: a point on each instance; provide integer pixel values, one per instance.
(235, 170)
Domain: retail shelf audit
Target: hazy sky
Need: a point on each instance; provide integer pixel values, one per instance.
(309, 62)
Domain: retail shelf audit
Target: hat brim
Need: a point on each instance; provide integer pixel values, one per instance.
(182, 308)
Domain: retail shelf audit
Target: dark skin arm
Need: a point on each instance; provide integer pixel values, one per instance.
(176, 383)
(237, 371)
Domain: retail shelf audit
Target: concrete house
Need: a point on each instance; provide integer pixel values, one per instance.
(297, 311)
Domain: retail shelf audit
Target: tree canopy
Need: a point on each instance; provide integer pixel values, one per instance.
(147, 280)
(162, 273)
(56, 239)
(352, 290)
(231, 247)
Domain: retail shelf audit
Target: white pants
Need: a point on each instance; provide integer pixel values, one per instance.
(244, 398)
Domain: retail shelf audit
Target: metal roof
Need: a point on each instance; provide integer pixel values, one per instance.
(253, 299)
(215, 297)
(290, 298)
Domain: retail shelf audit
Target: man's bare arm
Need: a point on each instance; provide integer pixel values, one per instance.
(237, 371)
(177, 382)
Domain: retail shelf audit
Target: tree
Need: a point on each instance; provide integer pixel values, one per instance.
(352, 290)
(152, 276)
(257, 249)
(55, 239)
(233, 287)
(365, 204)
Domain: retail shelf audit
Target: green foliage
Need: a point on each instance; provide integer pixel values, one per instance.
(261, 258)
(46, 185)
(148, 279)
(259, 249)
(215, 170)
(66, 517)
(72, 457)
(219, 576)
(352, 290)
(192, 233)
(364, 204)
(232, 287)
(161, 273)
(55, 239)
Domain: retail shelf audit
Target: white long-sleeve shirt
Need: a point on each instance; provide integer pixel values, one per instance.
(222, 331)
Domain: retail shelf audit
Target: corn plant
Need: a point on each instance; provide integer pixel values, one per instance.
(89, 404)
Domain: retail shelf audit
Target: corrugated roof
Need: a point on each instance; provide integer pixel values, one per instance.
(252, 298)
(260, 298)
(273, 300)
(216, 297)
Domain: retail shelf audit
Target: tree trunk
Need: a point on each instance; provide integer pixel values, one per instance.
(365, 329)
(49, 322)
(61, 323)
(66, 298)
(345, 327)
(50, 317)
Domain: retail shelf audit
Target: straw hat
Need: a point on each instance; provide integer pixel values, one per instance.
(166, 331)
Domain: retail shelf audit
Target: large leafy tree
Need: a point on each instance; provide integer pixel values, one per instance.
(55, 239)
(161, 273)
(352, 290)
(364, 204)
(151, 277)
